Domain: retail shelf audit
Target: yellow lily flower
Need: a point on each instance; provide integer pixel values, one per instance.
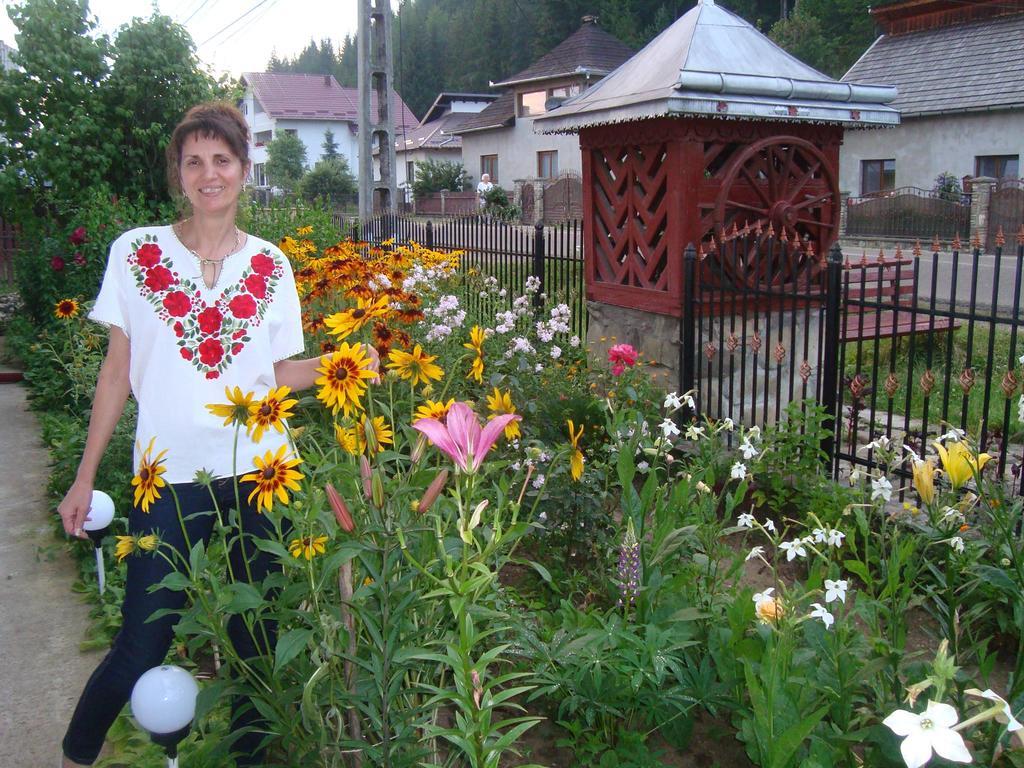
(959, 463)
(924, 480)
(576, 462)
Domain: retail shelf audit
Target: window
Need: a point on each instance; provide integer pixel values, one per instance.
(531, 103)
(262, 137)
(410, 171)
(547, 164)
(259, 175)
(877, 176)
(292, 131)
(489, 165)
(997, 166)
(564, 91)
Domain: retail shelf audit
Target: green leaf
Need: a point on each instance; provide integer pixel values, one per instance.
(289, 645)
(998, 578)
(785, 746)
(244, 597)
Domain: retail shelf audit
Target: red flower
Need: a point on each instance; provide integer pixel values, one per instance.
(236, 348)
(79, 259)
(159, 279)
(177, 304)
(210, 320)
(621, 356)
(179, 330)
(263, 264)
(210, 352)
(148, 255)
(186, 353)
(212, 375)
(238, 334)
(242, 306)
(256, 285)
(57, 264)
(78, 236)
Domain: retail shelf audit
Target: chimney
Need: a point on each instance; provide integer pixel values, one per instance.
(589, 19)
(327, 81)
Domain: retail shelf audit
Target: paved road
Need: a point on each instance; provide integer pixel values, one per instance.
(42, 622)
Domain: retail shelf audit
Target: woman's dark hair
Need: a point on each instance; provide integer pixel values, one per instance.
(216, 119)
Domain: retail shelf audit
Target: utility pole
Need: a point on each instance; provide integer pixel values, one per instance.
(377, 186)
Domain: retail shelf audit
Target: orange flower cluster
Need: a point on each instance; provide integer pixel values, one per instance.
(368, 282)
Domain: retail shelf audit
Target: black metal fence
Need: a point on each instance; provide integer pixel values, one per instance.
(765, 325)
(908, 212)
(509, 252)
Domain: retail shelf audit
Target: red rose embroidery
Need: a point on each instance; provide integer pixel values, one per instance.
(148, 255)
(257, 286)
(177, 304)
(179, 330)
(212, 375)
(238, 334)
(186, 353)
(210, 352)
(242, 306)
(263, 264)
(210, 320)
(237, 348)
(159, 279)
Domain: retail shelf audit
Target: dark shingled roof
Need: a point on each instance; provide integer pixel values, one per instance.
(437, 134)
(290, 96)
(588, 48)
(959, 68)
(499, 114)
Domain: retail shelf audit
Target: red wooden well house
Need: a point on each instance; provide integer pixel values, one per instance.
(710, 130)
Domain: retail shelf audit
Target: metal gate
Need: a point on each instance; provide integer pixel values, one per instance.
(563, 199)
(1005, 210)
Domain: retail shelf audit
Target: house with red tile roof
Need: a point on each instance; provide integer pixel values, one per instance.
(307, 106)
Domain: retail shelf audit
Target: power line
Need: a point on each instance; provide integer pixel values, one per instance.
(249, 23)
(231, 24)
(197, 10)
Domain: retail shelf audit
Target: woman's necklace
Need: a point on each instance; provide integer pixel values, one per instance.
(203, 262)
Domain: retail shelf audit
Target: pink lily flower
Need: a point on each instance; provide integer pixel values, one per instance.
(461, 437)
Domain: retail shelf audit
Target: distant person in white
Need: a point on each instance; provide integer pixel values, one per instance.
(483, 188)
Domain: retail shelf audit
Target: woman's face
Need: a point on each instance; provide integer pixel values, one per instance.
(211, 174)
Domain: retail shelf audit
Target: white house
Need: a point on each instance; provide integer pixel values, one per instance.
(960, 76)
(435, 137)
(501, 141)
(307, 106)
(5, 56)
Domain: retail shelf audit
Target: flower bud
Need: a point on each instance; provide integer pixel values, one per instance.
(418, 450)
(366, 475)
(377, 490)
(433, 491)
(478, 690)
(341, 513)
(372, 444)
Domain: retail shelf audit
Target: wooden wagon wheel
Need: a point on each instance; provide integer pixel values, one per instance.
(787, 184)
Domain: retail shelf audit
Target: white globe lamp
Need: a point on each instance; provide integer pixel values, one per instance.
(101, 513)
(164, 704)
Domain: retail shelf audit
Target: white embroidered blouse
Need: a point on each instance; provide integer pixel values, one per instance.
(189, 342)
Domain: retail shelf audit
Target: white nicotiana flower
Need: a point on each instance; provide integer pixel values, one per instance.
(672, 402)
(538, 368)
(835, 590)
(880, 443)
(543, 517)
(819, 535)
(1012, 724)
(881, 488)
(745, 520)
(669, 428)
(738, 471)
(769, 526)
(911, 453)
(931, 731)
(727, 424)
(957, 544)
(821, 612)
(793, 549)
(693, 432)
(954, 435)
(835, 538)
(755, 552)
(760, 598)
(748, 450)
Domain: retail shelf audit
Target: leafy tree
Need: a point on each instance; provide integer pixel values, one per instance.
(947, 186)
(330, 180)
(435, 175)
(330, 146)
(286, 160)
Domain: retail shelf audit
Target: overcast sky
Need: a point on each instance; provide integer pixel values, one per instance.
(232, 36)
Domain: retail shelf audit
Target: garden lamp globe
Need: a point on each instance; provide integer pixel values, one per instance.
(101, 513)
(164, 703)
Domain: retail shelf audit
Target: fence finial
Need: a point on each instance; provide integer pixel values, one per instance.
(863, 258)
(899, 253)
(957, 245)
(771, 229)
(881, 254)
(936, 245)
(1020, 235)
(1000, 238)
(976, 240)
(917, 249)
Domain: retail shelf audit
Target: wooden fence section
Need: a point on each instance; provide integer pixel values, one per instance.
(8, 245)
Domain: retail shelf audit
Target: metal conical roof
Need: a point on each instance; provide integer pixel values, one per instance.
(713, 63)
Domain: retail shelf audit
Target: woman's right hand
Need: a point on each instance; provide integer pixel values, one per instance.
(74, 509)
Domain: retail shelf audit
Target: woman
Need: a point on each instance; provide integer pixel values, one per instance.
(192, 308)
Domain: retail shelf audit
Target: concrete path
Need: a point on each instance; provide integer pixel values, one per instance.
(42, 622)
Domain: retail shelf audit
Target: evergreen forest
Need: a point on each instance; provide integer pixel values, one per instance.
(462, 45)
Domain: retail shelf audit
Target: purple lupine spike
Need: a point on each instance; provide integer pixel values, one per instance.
(629, 568)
